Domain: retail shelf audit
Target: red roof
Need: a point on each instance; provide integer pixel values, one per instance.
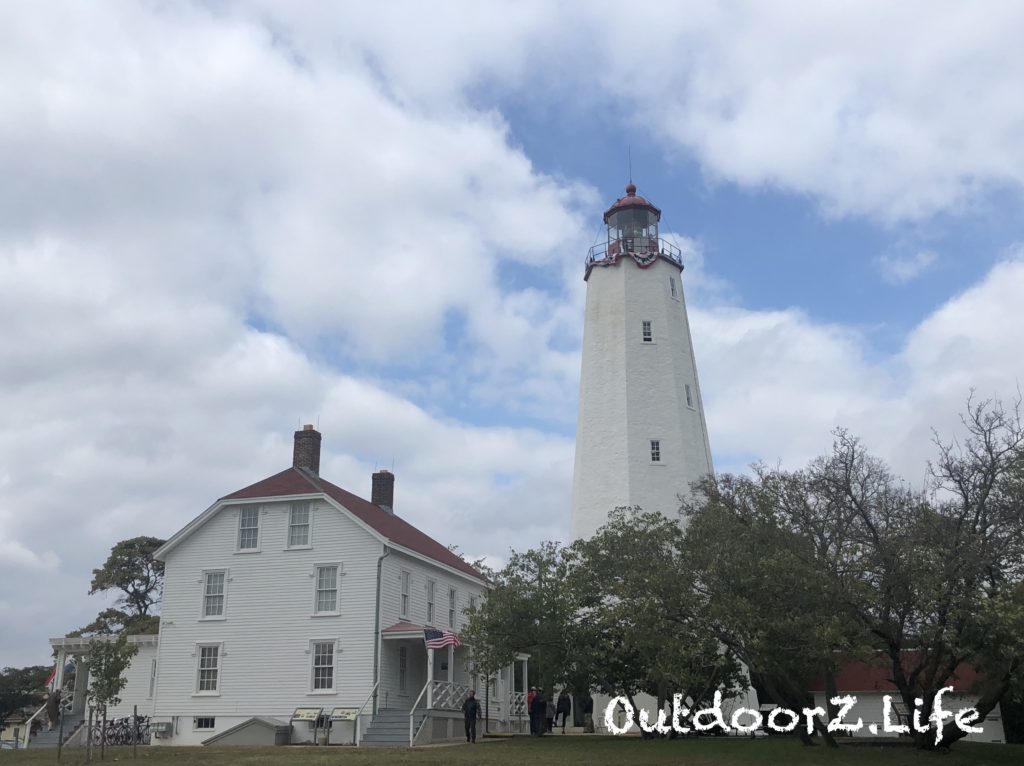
(875, 676)
(294, 481)
(631, 200)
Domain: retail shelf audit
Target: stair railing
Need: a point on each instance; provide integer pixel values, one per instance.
(26, 735)
(412, 714)
(359, 712)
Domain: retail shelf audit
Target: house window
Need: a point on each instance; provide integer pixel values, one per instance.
(209, 669)
(406, 577)
(672, 285)
(213, 594)
(655, 451)
(451, 607)
(152, 678)
(403, 667)
(204, 722)
(472, 603)
(326, 589)
(689, 396)
(298, 525)
(249, 528)
(431, 588)
(323, 665)
(648, 334)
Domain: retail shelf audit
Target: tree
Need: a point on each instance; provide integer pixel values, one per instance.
(614, 612)
(132, 571)
(641, 626)
(527, 609)
(109, 658)
(930, 579)
(761, 587)
(21, 688)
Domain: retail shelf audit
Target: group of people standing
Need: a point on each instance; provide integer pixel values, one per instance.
(544, 711)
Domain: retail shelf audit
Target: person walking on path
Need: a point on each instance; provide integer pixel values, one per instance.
(471, 711)
(549, 713)
(529, 708)
(538, 711)
(563, 708)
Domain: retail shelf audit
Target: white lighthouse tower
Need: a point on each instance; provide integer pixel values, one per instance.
(641, 438)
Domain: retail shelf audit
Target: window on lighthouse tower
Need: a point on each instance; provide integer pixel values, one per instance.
(655, 451)
(648, 334)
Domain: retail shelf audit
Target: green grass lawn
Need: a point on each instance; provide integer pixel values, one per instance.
(549, 751)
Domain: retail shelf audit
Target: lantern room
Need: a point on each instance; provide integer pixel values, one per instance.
(632, 224)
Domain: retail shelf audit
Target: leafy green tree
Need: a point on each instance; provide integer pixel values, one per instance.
(21, 688)
(132, 572)
(928, 578)
(642, 628)
(109, 658)
(761, 586)
(527, 609)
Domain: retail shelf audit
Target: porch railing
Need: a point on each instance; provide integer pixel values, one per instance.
(448, 695)
(517, 704)
(26, 734)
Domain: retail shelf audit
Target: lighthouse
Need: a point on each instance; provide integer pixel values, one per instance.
(641, 437)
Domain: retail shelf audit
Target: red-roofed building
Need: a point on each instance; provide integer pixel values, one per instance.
(292, 598)
(871, 680)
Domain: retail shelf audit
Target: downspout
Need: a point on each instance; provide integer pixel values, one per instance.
(376, 630)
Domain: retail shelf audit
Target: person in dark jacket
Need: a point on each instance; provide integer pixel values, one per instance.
(53, 709)
(471, 711)
(563, 708)
(538, 711)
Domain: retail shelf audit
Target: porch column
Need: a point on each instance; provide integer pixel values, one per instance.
(451, 663)
(430, 678)
(81, 684)
(526, 677)
(58, 680)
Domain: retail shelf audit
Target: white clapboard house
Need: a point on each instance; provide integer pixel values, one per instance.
(294, 593)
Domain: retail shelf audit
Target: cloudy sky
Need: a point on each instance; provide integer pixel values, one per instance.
(221, 220)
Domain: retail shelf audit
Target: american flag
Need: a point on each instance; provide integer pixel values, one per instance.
(438, 639)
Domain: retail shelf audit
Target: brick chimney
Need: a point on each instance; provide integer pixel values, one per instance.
(383, 493)
(307, 450)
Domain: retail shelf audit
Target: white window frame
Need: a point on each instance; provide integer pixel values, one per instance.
(647, 331)
(196, 719)
(673, 287)
(405, 587)
(656, 452)
(238, 539)
(472, 602)
(317, 612)
(205, 582)
(219, 668)
(689, 396)
(431, 601)
(308, 506)
(403, 668)
(152, 678)
(333, 643)
(453, 599)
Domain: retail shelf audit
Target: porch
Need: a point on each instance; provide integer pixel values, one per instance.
(421, 690)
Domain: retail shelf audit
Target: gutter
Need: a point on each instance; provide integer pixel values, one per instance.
(376, 630)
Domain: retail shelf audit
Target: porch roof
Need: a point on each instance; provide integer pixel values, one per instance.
(403, 629)
(81, 644)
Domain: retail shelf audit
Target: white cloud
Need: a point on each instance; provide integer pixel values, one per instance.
(900, 269)
(14, 556)
(217, 224)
